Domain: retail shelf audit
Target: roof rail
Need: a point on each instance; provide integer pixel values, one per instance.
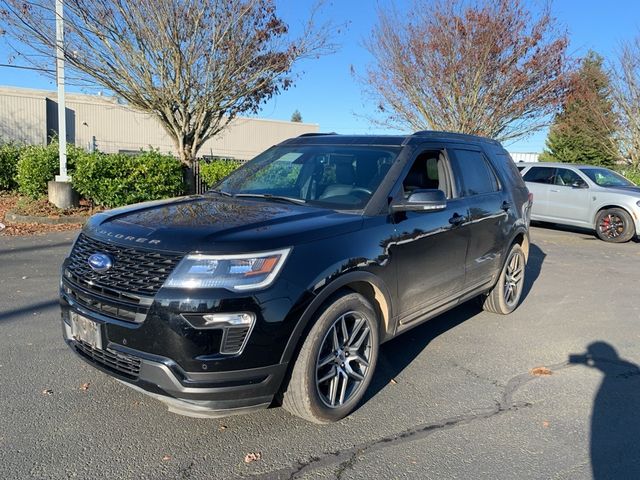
(436, 133)
(316, 134)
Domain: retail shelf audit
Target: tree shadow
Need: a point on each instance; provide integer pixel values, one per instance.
(615, 423)
(34, 307)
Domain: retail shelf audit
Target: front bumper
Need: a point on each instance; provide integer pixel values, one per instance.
(195, 394)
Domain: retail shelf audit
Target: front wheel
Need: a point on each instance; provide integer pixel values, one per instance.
(336, 362)
(614, 225)
(505, 295)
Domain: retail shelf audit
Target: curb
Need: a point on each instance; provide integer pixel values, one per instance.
(11, 217)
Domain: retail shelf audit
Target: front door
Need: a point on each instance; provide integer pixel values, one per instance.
(569, 198)
(429, 247)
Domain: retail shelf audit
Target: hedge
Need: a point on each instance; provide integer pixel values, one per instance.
(631, 173)
(118, 179)
(215, 170)
(9, 156)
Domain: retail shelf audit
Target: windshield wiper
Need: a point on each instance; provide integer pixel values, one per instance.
(297, 201)
(220, 192)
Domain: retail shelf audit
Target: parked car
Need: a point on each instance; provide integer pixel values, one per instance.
(584, 196)
(283, 280)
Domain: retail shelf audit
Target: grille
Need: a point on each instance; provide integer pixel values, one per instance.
(233, 339)
(121, 363)
(126, 290)
(140, 272)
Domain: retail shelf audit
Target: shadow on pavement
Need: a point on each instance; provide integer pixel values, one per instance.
(42, 246)
(34, 307)
(615, 422)
(398, 353)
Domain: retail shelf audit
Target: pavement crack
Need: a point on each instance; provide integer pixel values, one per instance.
(346, 458)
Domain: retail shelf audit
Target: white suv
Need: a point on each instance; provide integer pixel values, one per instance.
(584, 196)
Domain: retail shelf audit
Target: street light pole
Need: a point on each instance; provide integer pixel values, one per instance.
(62, 118)
(61, 193)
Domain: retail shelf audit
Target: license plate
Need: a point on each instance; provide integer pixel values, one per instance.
(85, 330)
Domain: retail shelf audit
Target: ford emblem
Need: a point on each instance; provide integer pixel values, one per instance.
(100, 262)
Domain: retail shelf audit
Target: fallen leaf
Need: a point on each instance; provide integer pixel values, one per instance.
(540, 371)
(393, 381)
(545, 424)
(84, 387)
(223, 427)
(166, 457)
(47, 391)
(252, 457)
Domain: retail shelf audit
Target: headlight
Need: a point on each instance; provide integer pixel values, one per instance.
(233, 272)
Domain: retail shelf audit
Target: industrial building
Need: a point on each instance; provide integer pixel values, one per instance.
(100, 122)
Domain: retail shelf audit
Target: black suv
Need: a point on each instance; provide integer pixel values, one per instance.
(281, 283)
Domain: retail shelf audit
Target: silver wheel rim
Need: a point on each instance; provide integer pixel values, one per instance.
(343, 360)
(513, 278)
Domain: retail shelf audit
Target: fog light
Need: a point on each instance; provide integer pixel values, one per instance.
(217, 320)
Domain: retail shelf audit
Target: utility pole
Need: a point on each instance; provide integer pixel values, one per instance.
(61, 193)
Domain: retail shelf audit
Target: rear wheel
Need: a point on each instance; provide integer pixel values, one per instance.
(336, 362)
(614, 225)
(505, 295)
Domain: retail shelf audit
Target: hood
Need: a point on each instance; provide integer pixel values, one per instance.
(631, 190)
(208, 223)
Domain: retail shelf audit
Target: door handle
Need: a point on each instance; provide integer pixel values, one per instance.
(457, 219)
(505, 206)
(555, 191)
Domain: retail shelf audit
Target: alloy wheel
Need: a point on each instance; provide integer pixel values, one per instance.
(513, 279)
(612, 225)
(343, 359)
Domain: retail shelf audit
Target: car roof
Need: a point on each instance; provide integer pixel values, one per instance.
(556, 164)
(385, 140)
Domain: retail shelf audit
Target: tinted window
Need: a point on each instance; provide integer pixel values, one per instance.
(567, 177)
(540, 175)
(476, 174)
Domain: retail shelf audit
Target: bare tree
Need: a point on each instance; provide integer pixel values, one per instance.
(626, 94)
(483, 67)
(193, 64)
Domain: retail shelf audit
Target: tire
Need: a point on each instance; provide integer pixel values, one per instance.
(505, 295)
(615, 225)
(317, 391)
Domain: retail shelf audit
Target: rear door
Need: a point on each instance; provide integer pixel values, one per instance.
(488, 206)
(539, 181)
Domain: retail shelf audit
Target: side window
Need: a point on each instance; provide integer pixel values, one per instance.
(476, 174)
(540, 175)
(568, 177)
(429, 171)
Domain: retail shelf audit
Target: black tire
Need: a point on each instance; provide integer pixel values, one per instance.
(615, 225)
(505, 295)
(309, 398)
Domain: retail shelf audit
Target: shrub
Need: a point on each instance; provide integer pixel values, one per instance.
(632, 174)
(215, 170)
(116, 180)
(9, 156)
(39, 164)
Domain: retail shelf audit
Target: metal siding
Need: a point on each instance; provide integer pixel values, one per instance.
(117, 127)
(23, 118)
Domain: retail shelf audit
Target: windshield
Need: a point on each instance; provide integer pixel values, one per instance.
(606, 178)
(338, 177)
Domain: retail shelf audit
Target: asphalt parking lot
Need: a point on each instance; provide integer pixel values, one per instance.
(453, 398)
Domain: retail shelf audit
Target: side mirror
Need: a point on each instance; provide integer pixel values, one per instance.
(579, 185)
(421, 201)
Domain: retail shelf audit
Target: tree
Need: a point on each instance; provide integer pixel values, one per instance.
(296, 116)
(193, 64)
(585, 130)
(626, 95)
(487, 68)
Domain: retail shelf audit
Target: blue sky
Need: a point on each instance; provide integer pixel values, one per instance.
(326, 92)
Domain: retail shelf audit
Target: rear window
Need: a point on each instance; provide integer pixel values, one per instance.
(476, 174)
(540, 175)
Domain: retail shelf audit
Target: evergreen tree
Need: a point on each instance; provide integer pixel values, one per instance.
(584, 131)
(296, 117)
